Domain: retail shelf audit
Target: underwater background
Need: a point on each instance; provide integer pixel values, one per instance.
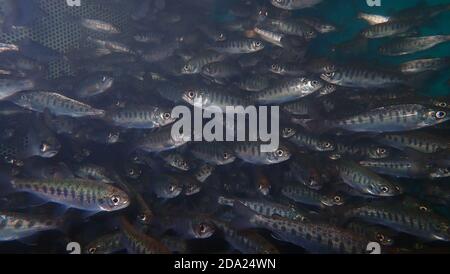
(52, 29)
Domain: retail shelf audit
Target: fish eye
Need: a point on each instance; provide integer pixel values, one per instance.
(44, 147)
(441, 114)
(115, 200)
(274, 66)
(167, 115)
(191, 94)
(423, 208)
(381, 151)
(203, 228)
(315, 82)
(92, 250)
(280, 153)
(172, 188)
(258, 44)
(327, 144)
(442, 104)
(186, 67)
(329, 74)
(337, 199)
(384, 189)
(142, 217)
(380, 237)
(226, 155)
(310, 32)
(221, 36)
(131, 172)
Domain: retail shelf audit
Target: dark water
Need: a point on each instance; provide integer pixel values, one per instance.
(52, 35)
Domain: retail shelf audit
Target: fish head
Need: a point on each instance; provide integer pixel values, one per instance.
(192, 95)
(226, 156)
(276, 68)
(164, 116)
(335, 199)
(315, 84)
(113, 199)
(189, 69)
(440, 172)
(379, 152)
(384, 237)
(257, 45)
(202, 228)
(105, 82)
(49, 148)
(310, 34)
(192, 187)
(327, 89)
(279, 155)
(287, 132)
(133, 171)
(169, 187)
(385, 189)
(330, 77)
(436, 116)
(113, 137)
(325, 145)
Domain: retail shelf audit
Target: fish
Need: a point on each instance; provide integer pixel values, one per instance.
(214, 154)
(251, 153)
(74, 193)
(394, 118)
(244, 241)
(422, 65)
(410, 45)
(161, 140)
(94, 86)
(141, 117)
(366, 181)
(294, 4)
(404, 219)
(241, 46)
(288, 91)
(17, 226)
(105, 244)
(167, 187)
(9, 87)
(305, 195)
(315, 237)
(55, 103)
(140, 243)
(99, 26)
(267, 208)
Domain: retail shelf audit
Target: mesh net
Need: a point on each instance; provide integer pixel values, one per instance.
(58, 30)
